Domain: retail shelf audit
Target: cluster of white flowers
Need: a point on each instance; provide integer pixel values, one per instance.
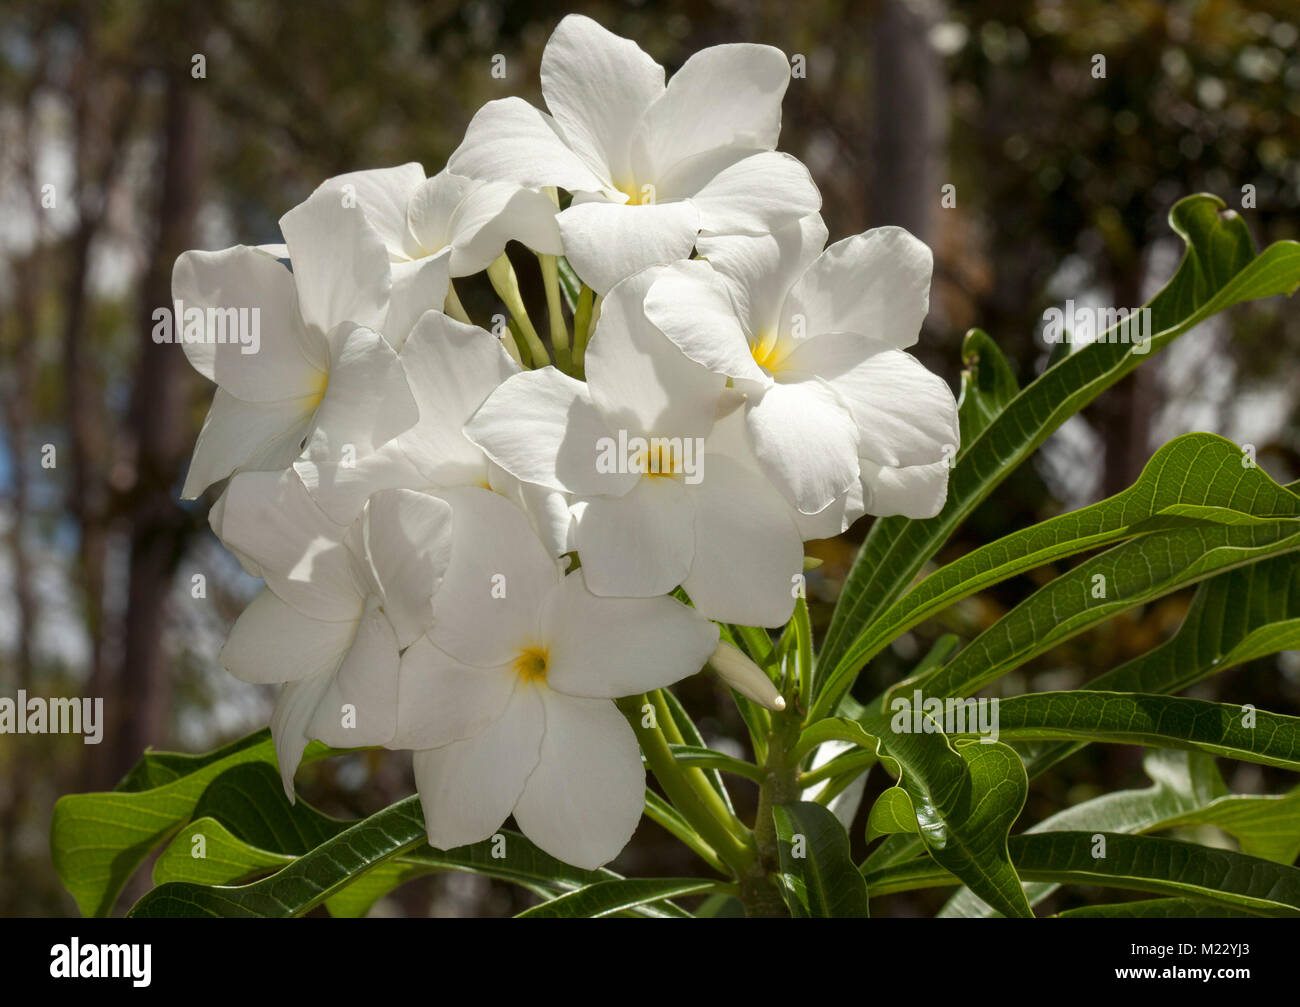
(414, 498)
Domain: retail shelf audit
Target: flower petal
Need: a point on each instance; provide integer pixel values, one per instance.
(609, 647)
(906, 414)
(260, 436)
(405, 539)
(542, 427)
(583, 801)
(876, 283)
(747, 551)
(806, 441)
(274, 642)
(756, 195)
(607, 242)
(510, 141)
(279, 534)
(760, 270)
(468, 788)
(723, 96)
(598, 85)
(494, 213)
(640, 544)
(359, 707)
(917, 491)
(284, 365)
(340, 264)
(442, 700)
(499, 575)
(383, 195)
(641, 381)
(691, 305)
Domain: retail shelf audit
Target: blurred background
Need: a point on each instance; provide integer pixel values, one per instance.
(131, 131)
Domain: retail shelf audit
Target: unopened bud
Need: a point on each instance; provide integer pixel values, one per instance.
(745, 676)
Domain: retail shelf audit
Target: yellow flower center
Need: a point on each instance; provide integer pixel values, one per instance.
(770, 351)
(662, 459)
(317, 393)
(530, 665)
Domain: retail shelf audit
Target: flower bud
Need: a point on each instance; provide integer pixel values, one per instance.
(745, 676)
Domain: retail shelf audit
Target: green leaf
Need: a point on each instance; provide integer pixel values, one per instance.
(819, 876)
(988, 384)
(1142, 863)
(605, 898)
(1218, 270)
(1266, 825)
(98, 840)
(708, 758)
(1135, 718)
(1160, 909)
(306, 882)
(1181, 782)
(966, 797)
(1125, 576)
(1189, 473)
(570, 285)
(891, 814)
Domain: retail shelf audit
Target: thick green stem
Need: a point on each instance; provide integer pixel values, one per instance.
(758, 892)
(502, 277)
(582, 325)
(689, 800)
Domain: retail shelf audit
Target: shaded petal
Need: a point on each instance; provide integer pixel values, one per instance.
(468, 788)
(340, 265)
(418, 286)
(277, 532)
(609, 647)
(606, 242)
(640, 544)
(494, 213)
(442, 700)
(542, 427)
(906, 414)
(583, 801)
(757, 195)
(747, 551)
(510, 141)
(641, 381)
(690, 303)
(383, 194)
(405, 538)
(806, 441)
(498, 577)
(274, 642)
(598, 85)
(918, 491)
(359, 707)
(876, 283)
(549, 511)
(760, 270)
(262, 436)
(284, 366)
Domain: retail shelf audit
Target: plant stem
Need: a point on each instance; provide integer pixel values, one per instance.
(559, 330)
(582, 325)
(736, 852)
(758, 893)
(453, 307)
(504, 281)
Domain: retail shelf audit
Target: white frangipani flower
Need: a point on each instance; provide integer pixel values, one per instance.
(434, 229)
(650, 166)
(340, 605)
(840, 416)
(684, 504)
(318, 360)
(507, 699)
(450, 368)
